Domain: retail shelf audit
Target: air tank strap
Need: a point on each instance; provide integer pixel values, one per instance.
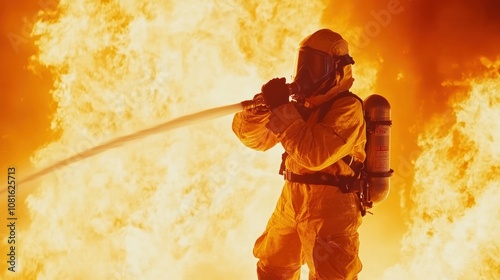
(372, 124)
(381, 122)
(380, 174)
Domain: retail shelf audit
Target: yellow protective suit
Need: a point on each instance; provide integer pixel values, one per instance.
(313, 224)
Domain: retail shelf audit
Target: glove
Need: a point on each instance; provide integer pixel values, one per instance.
(275, 93)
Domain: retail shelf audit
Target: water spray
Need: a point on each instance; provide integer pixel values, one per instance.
(256, 103)
(163, 127)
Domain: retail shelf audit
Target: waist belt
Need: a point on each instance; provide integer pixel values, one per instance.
(344, 183)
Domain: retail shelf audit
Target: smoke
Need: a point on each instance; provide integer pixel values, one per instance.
(446, 41)
(419, 45)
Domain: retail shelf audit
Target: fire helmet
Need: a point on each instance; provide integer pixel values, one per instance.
(321, 56)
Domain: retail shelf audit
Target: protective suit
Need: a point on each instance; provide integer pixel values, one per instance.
(312, 223)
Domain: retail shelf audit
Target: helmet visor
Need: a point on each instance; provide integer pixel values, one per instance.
(312, 62)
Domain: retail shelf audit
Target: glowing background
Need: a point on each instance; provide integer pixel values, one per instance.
(189, 204)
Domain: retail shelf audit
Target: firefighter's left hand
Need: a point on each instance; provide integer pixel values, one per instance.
(275, 92)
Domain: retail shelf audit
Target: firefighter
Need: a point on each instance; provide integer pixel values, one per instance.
(315, 221)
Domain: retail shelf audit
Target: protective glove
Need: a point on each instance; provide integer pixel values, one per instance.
(275, 93)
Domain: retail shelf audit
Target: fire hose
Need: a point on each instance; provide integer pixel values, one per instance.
(163, 127)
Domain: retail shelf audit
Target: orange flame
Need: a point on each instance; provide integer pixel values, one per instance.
(452, 230)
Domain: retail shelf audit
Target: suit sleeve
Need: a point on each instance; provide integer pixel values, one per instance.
(317, 145)
(250, 127)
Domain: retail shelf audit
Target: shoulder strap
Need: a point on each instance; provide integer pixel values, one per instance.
(323, 109)
(326, 106)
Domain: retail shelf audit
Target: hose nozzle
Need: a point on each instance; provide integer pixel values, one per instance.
(248, 104)
(258, 101)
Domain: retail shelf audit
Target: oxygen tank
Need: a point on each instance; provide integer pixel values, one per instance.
(378, 146)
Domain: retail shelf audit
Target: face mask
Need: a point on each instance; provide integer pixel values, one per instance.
(315, 67)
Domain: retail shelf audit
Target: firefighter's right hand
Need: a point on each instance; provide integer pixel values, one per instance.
(275, 93)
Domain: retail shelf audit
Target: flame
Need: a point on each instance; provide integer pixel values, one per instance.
(452, 229)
